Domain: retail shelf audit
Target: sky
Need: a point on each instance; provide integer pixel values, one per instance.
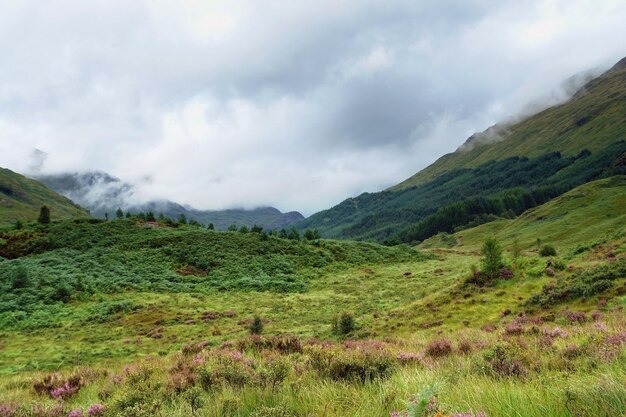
(293, 104)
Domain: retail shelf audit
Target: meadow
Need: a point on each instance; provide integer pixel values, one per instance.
(132, 318)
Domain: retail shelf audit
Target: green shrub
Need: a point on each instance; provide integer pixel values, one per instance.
(547, 250)
(359, 365)
(256, 326)
(343, 324)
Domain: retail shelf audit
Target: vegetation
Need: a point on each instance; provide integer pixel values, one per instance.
(21, 200)
(465, 197)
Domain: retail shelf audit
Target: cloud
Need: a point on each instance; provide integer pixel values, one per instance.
(293, 104)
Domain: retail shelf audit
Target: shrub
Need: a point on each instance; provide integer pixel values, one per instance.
(352, 365)
(256, 327)
(503, 361)
(547, 250)
(439, 348)
(343, 324)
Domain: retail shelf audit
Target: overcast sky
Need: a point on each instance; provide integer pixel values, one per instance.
(295, 104)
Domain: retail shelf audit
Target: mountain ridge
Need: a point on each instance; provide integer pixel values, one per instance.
(103, 194)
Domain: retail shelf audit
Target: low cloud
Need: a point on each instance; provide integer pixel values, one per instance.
(295, 105)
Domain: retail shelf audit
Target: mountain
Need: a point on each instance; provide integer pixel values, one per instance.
(103, 194)
(500, 172)
(587, 216)
(21, 198)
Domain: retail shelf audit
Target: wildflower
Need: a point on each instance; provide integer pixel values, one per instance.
(76, 413)
(95, 410)
(8, 410)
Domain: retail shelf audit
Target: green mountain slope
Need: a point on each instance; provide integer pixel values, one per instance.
(591, 119)
(528, 164)
(575, 221)
(21, 198)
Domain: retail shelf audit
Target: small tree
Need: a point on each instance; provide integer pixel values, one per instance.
(492, 257)
(311, 234)
(516, 250)
(244, 229)
(182, 219)
(293, 234)
(343, 324)
(119, 213)
(44, 215)
(150, 216)
(19, 225)
(19, 278)
(256, 327)
(210, 226)
(232, 228)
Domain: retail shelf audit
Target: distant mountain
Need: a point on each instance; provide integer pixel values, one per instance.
(102, 193)
(21, 198)
(497, 173)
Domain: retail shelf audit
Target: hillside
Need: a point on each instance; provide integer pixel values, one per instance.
(577, 221)
(591, 119)
(103, 194)
(520, 166)
(21, 198)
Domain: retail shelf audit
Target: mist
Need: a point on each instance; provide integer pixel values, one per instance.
(291, 105)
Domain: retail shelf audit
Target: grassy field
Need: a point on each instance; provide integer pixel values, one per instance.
(154, 320)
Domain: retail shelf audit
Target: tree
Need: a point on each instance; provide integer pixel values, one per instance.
(293, 234)
(256, 229)
(182, 219)
(119, 213)
(44, 215)
(19, 225)
(128, 215)
(492, 257)
(311, 234)
(19, 278)
(232, 228)
(210, 226)
(150, 216)
(244, 229)
(256, 327)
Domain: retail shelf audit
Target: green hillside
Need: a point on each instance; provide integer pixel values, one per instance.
(530, 163)
(584, 218)
(592, 119)
(21, 198)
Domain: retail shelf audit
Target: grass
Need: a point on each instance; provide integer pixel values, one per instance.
(142, 299)
(21, 198)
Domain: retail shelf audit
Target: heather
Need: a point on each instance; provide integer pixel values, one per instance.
(137, 318)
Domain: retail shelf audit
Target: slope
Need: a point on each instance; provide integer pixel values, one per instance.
(21, 198)
(499, 173)
(576, 221)
(591, 119)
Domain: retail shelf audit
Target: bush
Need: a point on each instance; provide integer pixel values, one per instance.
(503, 361)
(256, 327)
(439, 348)
(352, 365)
(547, 250)
(343, 324)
